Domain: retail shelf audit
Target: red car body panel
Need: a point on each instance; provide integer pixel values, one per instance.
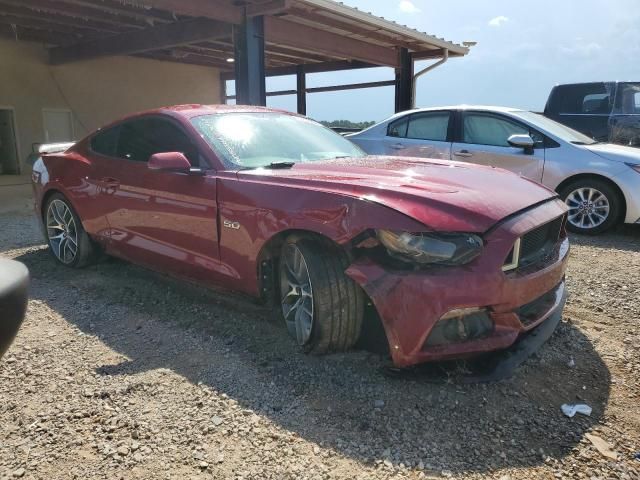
(174, 222)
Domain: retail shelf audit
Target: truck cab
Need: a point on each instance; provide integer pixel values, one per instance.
(606, 111)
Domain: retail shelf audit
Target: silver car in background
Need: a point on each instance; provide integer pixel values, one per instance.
(600, 183)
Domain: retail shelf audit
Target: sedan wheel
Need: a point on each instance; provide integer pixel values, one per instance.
(68, 241)
(588, 208)
(62, 232)
(322, 307)
(594, 206)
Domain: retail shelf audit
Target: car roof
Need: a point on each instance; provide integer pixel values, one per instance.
(482, 108)
(195, 110)
(488, 108)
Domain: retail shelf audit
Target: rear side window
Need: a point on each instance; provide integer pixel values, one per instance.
(398, 128)
(429, 126)
(422, 126)
(139, 139)
(589, 99)
(106, 142)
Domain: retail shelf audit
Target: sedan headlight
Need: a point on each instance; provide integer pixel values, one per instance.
(431, 248)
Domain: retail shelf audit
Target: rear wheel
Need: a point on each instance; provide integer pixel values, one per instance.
(322, 307)
(68, 242)
(594, 206)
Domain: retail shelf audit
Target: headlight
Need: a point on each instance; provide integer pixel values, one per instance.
(431, 248)
(635, 166)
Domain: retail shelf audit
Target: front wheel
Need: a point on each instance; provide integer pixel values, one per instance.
(322, 307)
(68, 242)
(594, 206)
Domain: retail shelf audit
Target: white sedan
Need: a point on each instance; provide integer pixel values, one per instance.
(599, 182)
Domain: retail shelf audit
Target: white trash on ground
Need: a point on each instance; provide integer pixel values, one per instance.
(571, 410)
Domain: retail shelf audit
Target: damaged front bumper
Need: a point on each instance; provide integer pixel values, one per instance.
(458, 312)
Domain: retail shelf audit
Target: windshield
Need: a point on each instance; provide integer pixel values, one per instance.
(554, 128)
(254, 140)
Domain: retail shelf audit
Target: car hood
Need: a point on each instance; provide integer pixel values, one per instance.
(616, 153)
(441, 194)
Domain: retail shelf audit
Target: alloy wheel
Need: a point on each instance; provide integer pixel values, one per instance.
(297, 300)
(588, 208)
(62, 231)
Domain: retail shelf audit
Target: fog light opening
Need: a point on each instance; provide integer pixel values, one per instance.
(461, 325)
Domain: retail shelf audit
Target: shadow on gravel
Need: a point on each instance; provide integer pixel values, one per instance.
(233, 347)
(623, 237)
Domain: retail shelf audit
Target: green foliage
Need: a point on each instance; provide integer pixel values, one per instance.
(347, 124)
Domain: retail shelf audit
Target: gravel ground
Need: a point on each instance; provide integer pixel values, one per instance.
(119, 372)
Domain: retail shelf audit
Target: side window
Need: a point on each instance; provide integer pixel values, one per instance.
(596, 103)
(106, 142)
(135, 141)
(398, 128)
(490, 130)
(589, 98)
(628, 98)
(139, 139)
(429, 126)
(169, 138)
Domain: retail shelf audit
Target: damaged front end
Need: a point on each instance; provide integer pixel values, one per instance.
(455, 296)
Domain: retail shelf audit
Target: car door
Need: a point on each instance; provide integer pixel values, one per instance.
(483, 139)
(164, 220)
(420, 134)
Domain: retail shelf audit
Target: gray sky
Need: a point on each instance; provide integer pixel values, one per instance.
(524, 48)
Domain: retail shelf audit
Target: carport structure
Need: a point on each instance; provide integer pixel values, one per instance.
(245, 40)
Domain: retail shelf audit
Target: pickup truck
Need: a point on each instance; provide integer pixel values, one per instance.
(606, 111)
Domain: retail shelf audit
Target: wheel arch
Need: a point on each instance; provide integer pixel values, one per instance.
(52, 191)
(373, 335)
(266, 265)
(594, 176)
(45, 198)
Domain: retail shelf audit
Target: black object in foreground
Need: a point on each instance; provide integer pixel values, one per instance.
(14, 285)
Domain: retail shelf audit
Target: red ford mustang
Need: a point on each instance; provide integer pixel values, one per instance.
(455, 259)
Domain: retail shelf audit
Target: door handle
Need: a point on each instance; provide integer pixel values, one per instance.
(397, 146)
(463, 153)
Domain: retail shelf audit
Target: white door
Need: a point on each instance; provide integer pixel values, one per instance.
(422, 134)
(58, 125)
(485, 141)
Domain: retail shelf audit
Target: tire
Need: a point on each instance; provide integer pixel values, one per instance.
(335, 302)
(602, 200)
(62, 221)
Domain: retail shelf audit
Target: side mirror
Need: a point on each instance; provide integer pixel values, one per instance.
(522, 141)
(169, 162)
(14, 284)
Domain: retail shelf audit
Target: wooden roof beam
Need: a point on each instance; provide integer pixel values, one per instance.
(153, 38)
(149, 16)
(311, 68)
(220, 10)
(26, 14)
(77, 11)
(288, 33)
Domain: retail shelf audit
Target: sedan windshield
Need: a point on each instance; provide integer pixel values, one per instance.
(554, 128)
(269, 139)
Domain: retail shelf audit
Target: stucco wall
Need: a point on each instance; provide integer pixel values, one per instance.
(96, 91)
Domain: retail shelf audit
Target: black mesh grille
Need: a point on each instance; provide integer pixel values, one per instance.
(539, 243)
